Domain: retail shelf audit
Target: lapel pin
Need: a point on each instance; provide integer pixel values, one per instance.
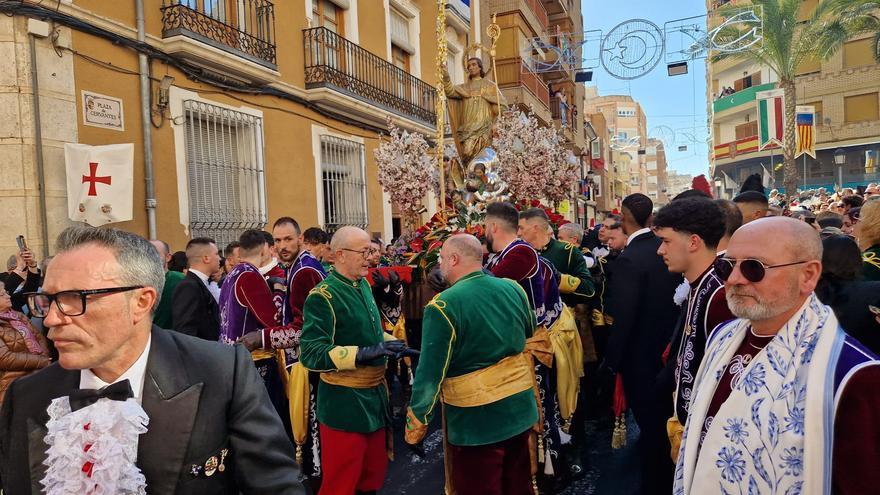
(223, 454)
(211, 466)
(195, 470)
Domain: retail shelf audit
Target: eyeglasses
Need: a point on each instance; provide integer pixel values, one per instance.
(366, 253)
(752, 270)
(69, 302)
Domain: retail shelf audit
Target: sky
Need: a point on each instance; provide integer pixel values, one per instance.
(670, 103)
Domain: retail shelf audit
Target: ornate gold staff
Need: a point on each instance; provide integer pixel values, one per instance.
(440, 106)
(493, 31)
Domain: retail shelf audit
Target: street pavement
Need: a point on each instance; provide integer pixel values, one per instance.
(609, 471)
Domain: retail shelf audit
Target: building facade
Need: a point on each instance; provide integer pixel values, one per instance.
(655, 165)
(252, 109)
(845, 93)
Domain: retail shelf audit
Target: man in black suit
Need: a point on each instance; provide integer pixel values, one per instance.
(194, 309)
(211, 428)
(644, 314)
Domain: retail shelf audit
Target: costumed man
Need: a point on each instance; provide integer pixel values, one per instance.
(784, 401)
(473, 109)
(246, 306)
(130, 408)
(162, 318)
(576, 289)
(752, 199)
(342, 339)
(515, 259)
(274, 273)
(474, 337)
(689, 230)
(303, 274)
(388, 294)
(599, 318)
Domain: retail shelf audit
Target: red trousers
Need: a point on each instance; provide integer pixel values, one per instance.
(352, 461)
(501, 468)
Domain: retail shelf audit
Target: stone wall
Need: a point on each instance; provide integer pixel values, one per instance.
(19, 185)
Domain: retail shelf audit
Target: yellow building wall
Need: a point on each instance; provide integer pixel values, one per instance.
(287, 126)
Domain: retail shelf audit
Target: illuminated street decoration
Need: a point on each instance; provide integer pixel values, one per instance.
(632, 49)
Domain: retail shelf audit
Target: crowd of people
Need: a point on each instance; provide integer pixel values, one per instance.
(742, 335)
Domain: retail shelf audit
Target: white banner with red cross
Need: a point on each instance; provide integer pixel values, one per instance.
(99, 182)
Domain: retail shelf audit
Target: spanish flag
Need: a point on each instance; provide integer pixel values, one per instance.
(806, 131)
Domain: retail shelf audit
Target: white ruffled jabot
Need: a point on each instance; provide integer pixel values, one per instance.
(93, 450)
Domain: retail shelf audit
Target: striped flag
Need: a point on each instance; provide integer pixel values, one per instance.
(771, 117)
(805, 120)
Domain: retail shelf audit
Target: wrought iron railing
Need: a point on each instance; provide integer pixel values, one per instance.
(331, 60)
(245, 27)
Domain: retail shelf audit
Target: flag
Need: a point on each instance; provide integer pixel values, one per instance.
(767, 179)
(771, 117)
(99, 182)
(729, 183)
(805, 120)
(870, 161)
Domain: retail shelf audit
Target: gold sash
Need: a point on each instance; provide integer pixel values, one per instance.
(568, 357)
(507, 377)
(298, 405)
(366, 377)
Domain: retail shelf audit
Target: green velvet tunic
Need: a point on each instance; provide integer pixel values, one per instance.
(567, 258)
(162, 317)
(340, 312)
(477, 322)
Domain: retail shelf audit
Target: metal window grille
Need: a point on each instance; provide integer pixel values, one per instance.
(343, 182)
(224, 164)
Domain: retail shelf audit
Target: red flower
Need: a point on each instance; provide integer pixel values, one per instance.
(435, 245)
(87, 468)
(535, 203)
(416, 245)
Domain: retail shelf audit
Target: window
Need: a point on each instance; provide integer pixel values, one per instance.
(859, 108)
(626, 112)
(224, 164)
(595, 150)
(651, 150)
(326, 14)
(809, 66)
(858, 53)
(343, 183)
(747, 82)
(622, 136)
(818, 106)
(652, 165)
(747, 130)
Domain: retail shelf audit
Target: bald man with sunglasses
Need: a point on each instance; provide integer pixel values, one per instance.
(784, 399)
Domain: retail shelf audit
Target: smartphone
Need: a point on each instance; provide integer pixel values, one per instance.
(22, 244)
(874, 309)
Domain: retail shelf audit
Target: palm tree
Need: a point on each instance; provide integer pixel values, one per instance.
(787, 44)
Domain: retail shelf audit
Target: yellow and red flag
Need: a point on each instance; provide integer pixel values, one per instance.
(805, 121)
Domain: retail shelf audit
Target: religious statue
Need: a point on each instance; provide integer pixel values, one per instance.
(473, 109)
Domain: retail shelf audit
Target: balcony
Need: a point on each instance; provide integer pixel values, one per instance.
(245, 29)
(737, 148)
(334, 62)
(531, 10)
(524, 88)
(740, 98)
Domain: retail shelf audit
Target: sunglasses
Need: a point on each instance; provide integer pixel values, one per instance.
(752, 270)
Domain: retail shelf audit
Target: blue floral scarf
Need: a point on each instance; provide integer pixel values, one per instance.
(757, 442)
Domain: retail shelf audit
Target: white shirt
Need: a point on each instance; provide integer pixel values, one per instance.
(135, 375)
(202, 276)
(636, 234)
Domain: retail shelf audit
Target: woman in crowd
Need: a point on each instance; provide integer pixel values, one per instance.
(23, 350)
(867, 231)
(841, 287)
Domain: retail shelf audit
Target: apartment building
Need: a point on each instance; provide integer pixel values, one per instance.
(677, 183)
(655, 166)
(252, 109)
(845, 92)
(627, 142)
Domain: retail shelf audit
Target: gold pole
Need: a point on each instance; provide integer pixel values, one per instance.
(494, 32)
(440, 107)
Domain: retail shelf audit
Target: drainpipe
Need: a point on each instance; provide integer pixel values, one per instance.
(146, 124)
(38, 144)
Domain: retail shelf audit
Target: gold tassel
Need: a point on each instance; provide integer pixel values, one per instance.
(566, 426)
(618, 438)
(299, 454)
(540, 448)
(535, 484)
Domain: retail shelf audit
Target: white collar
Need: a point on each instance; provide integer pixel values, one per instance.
(636, 234)
(265, 269)
(722, 252)
(135, 375)
(202, 276)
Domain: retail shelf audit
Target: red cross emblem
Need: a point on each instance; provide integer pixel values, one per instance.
(92, 179)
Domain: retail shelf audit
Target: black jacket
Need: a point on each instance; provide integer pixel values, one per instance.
(200, 397)
(850, 301)
(194, 310)
(641, 302)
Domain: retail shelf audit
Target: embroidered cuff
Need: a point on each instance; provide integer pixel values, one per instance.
(415, 430)
(343, 357)
(568, 283)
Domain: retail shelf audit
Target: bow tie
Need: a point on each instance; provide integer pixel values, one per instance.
(87, 396)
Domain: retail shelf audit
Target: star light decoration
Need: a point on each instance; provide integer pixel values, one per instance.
(532, 159)
(406, 170)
